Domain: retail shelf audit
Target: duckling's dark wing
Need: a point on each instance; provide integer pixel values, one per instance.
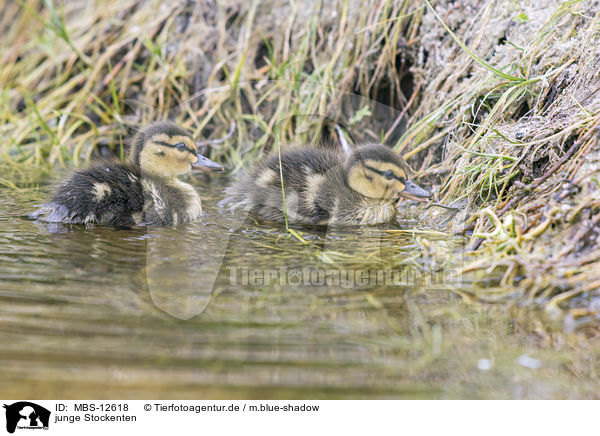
(298, 163)
(108, 194)
(303, 171)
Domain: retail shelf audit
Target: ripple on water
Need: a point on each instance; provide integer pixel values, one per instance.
(185, 312)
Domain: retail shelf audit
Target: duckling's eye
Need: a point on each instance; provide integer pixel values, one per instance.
(181, 146)
(389, 174)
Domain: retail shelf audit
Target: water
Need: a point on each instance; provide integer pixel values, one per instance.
(231, 308)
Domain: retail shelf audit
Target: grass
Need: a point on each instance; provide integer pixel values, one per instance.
(495, 107)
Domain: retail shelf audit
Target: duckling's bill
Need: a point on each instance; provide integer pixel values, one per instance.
(205, 164)
(414, 192)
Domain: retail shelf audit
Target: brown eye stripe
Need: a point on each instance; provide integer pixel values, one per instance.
(166, 144)
(382, 173)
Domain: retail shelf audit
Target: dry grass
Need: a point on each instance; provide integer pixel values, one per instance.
(494, 103)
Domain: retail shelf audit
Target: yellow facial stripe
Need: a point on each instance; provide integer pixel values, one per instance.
(165, 161)
(189, 142)
(174, 140)
(386, 166)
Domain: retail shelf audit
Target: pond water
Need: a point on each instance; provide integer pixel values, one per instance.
(233, 308)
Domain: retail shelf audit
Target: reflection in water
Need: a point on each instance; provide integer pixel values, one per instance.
(230, 308)
(182, 267)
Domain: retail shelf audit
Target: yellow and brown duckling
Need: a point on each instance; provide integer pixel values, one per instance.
(144, 190)
(328, 187)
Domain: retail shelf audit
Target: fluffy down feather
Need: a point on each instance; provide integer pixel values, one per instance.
(317, 188)
(119, 194)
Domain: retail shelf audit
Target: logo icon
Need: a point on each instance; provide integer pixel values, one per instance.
(26, 415)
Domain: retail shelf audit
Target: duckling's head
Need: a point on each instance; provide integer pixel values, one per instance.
(166, 150)
(377, 172)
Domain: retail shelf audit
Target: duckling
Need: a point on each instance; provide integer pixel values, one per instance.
(144, 190)
(328, 187)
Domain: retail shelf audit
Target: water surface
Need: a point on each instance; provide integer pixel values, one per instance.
(233, 308)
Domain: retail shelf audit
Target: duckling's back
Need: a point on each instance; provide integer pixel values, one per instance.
(121, 195)
(303, 171)
(108, 194)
